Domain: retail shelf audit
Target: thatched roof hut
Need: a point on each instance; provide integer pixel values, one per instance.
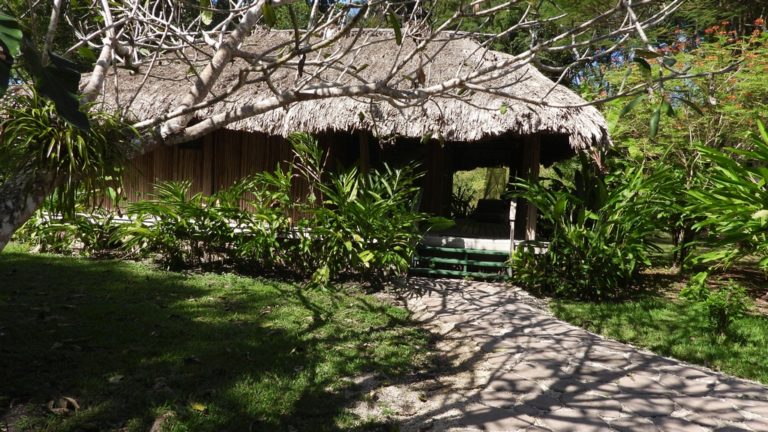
(527, 102)
(520, 112)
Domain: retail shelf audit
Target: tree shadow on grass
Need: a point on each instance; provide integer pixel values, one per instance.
(223, 352)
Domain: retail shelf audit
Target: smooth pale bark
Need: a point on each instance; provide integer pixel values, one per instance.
(20, 197)
(205, 81)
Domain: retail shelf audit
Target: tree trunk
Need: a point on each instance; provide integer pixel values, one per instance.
(20, 197)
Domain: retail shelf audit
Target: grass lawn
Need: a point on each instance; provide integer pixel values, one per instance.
(672, 328)
(129, 342)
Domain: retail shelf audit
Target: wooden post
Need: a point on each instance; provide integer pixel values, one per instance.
(365, 152)
(531, 168)
(512, 215)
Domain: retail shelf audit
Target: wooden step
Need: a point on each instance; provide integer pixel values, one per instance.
(458, 273)
(463, 251)
(466, 262)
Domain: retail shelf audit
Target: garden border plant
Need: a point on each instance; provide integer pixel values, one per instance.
(351, 224)
(601, 232)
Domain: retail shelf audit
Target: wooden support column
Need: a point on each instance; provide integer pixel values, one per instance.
(531, 162)
(447, 183)
(512, 217)
(365, 152)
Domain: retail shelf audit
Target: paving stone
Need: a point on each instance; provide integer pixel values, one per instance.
(648, 406)
(494, 419)
(535, 371)
(546, 375)
(735, 388)
(756, 407)
(684, 371)
(642, 384)
(503, 398)
(567, 385)
(673, 382)
(757, 425)
(710, 407)
(591, 373)
(704, 420)
(543, 402)
(512, 384)
(592, 404)
(605, 389)
(633, 424)
(673, 424)
(570, 420)
(731, 428)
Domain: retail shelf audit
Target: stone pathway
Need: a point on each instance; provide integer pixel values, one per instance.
(513, 367)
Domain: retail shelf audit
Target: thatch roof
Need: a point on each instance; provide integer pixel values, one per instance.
(471, 116)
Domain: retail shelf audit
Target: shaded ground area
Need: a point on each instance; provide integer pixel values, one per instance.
(98, 346)
(511, 366)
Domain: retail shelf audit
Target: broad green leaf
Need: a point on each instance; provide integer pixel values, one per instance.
(10, 34)
(503, 108)
(560, 205)
(645, 67)
(690, 104)
(270, 19)
(87, 54)
(646, 54)
(667, 108)
(654, 123)
(395, 23)
(206, 12)
(58, 82)
(631, 105)
(669, 61)
(6, 63)
(438, 223)
(763, 132)
(10, 42)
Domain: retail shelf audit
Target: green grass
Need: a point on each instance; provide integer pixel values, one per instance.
(678, 330)
(129, 342)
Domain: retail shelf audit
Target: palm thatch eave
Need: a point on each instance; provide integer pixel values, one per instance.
(520, 102)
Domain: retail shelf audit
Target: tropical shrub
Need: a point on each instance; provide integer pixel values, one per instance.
(349, 224)
(87, 231)
(733, 202)
(48, 234)
(34, 136)
(266, 239)
(601, 231)
(463, 201)
(184, 229)
(359, 223)
(722, 305)
(664, 128)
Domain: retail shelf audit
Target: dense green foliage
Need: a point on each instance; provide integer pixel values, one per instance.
(601, 232)
(732, 203)
(54, 77)
(34, 137)
(225, 353)
(349, 224)
(722, 305)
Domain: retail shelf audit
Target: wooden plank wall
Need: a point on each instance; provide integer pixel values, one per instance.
(212, 163)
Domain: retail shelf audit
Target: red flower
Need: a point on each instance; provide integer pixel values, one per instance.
(759, 22)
